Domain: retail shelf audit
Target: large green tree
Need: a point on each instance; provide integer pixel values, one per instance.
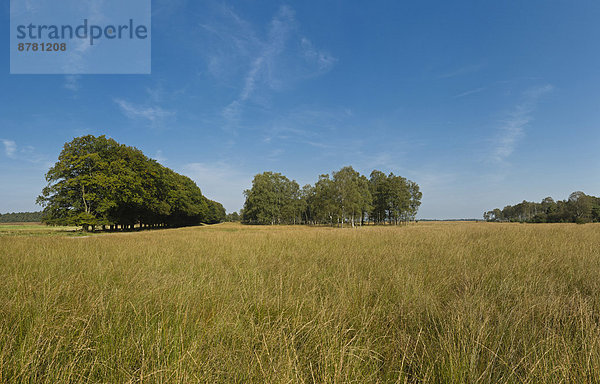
(273, 199)
(378, 185)
(323, 203)
(351, 195)
(97, 181)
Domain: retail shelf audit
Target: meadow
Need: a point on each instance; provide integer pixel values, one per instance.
(36, 229)
(424, 303)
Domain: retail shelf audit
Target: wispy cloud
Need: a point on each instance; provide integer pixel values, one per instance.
(513, 128)
(10, 148)
(275, 154)
(137, 112)
(468, 93)
(261, 62)
(323, 59)
(306, 125)
(156, 94)
(464, 70)
(385, 160)
(77, 58)
(25, 153)
(159, 156)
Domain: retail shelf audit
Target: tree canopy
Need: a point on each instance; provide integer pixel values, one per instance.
(345, 197)
(578, 208)
(21, 217)
(98, 181)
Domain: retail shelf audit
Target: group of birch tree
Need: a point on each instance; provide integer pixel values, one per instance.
(344, 198)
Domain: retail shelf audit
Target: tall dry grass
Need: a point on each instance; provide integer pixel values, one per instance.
(439, 303)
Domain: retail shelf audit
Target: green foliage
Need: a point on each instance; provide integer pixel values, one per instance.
(351, 194)
(578, 208)
(98, 181)
(233, 217)
(395, 199)
(216, 212)
(273, 199)
(345, 198)
(21, 217)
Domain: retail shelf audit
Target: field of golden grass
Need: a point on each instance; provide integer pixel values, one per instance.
(426, 303)
(36, 229)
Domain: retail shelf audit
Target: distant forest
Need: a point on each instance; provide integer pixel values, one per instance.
(578, 208)
(99, 182)
(21, 217)
(347, 197)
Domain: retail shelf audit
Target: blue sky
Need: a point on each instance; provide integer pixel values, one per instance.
(482, 103)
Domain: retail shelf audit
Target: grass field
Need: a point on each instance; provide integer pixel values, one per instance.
(36, 229)
(427, 303)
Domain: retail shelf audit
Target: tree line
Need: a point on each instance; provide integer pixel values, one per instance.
(345, 197)
(99, 182)
(21, 217)
(578, 208)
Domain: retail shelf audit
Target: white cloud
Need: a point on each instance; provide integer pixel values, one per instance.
(221, 182)
(322, 59)
(235, 51)
(158, 156)
(135, 112)
(308, 125)
(156, 94)
(250, 81)
(231, 113)
(470, 92)
(262, 65)
(536, 92)
(513, 128)
(24, 153)
(10, 148)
